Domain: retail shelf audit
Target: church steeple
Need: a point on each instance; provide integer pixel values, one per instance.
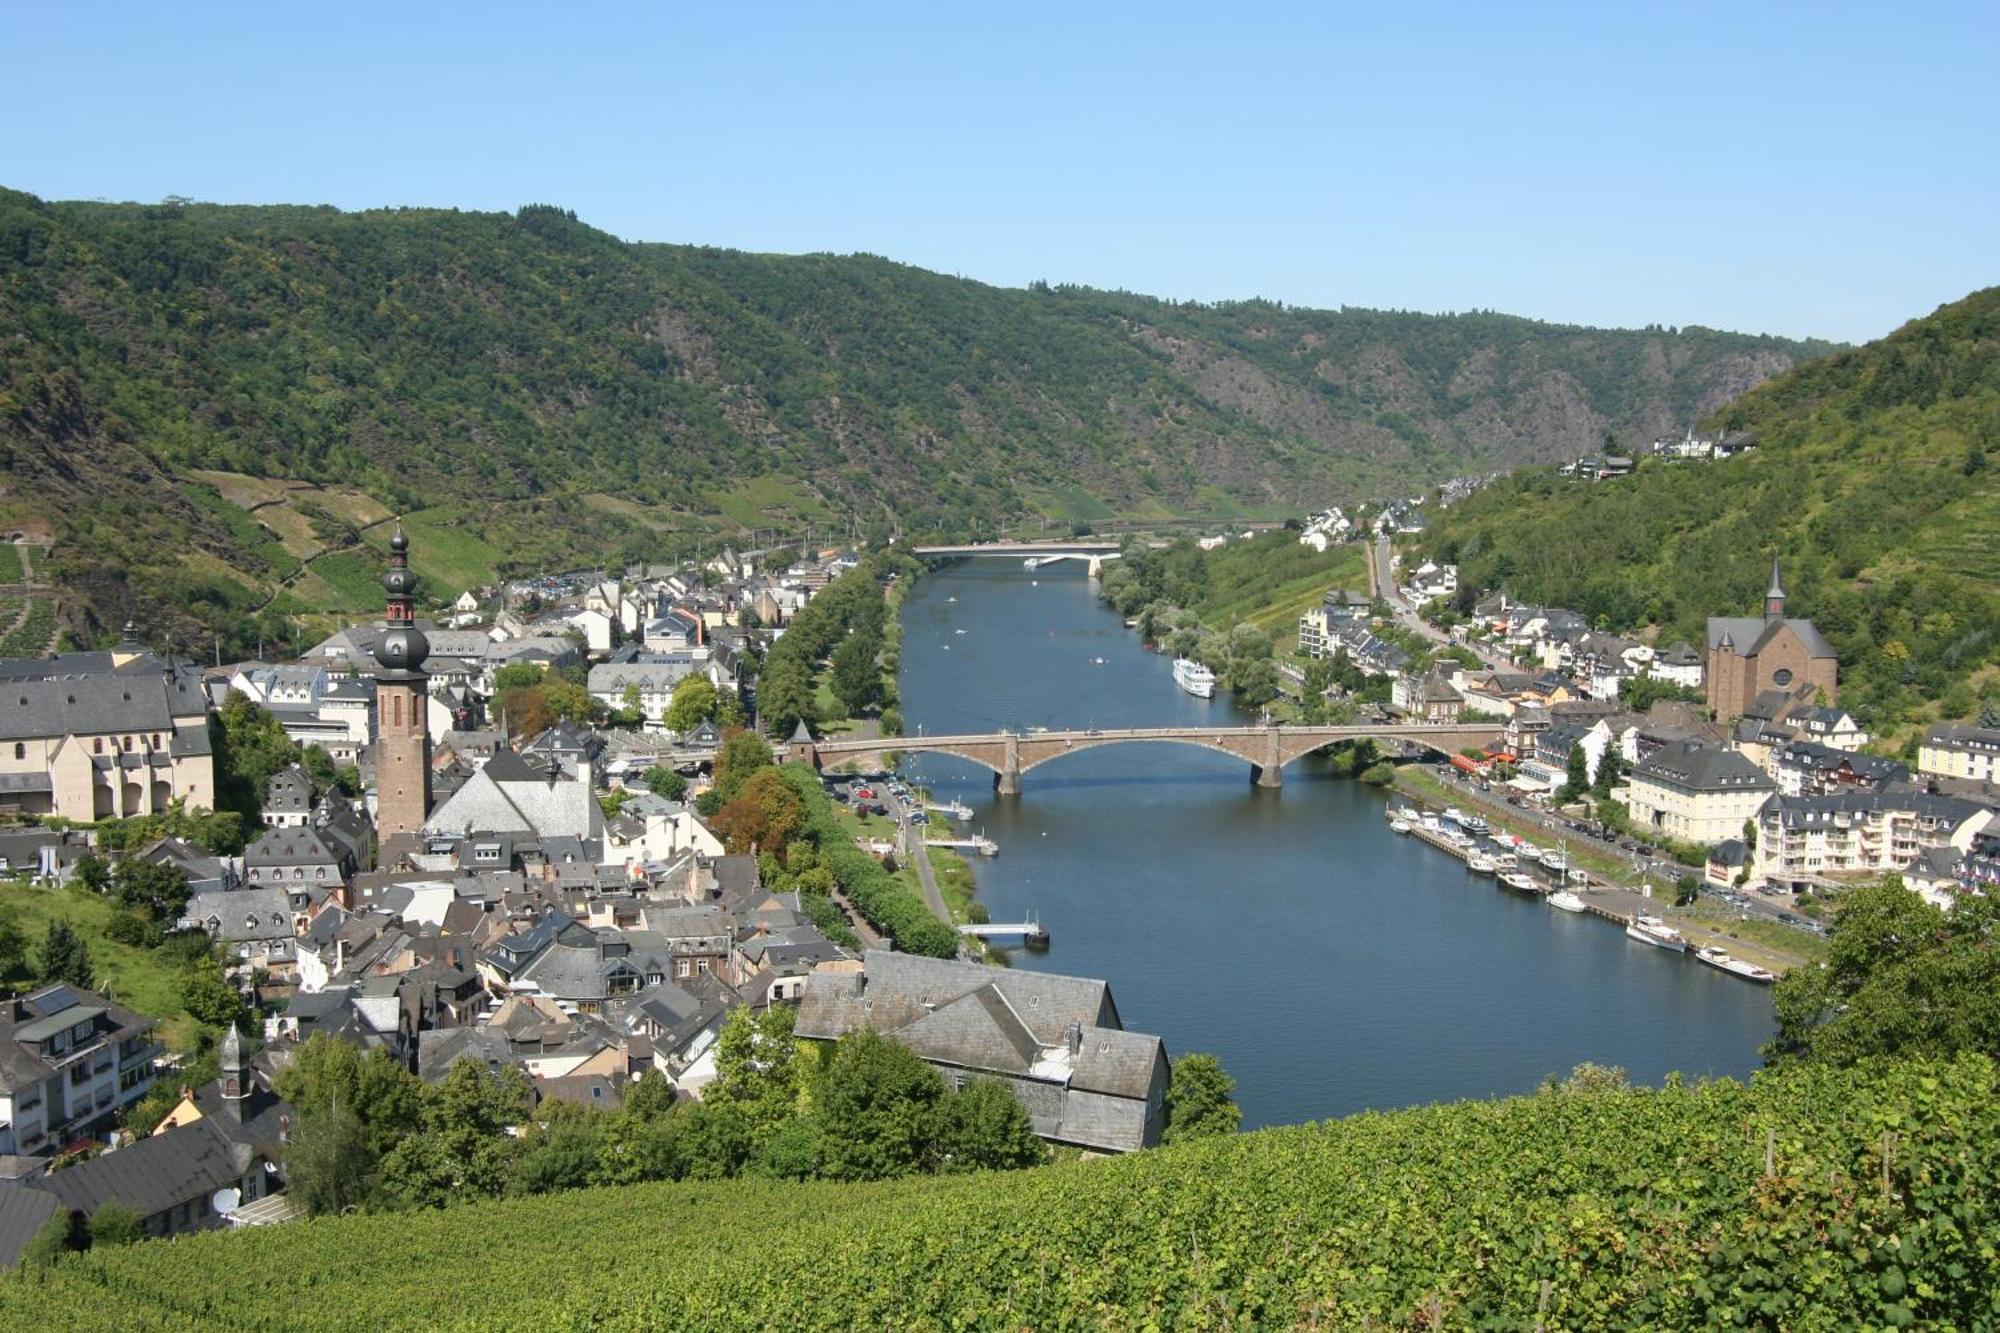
(402, 704)
(235, 1074)
(1774, 596)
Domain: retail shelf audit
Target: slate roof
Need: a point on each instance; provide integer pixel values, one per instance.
(438, 1049)
(1692, 766)
(1818, 758)
(290, 847)
(1747, 635)
(83, 694)
(153, 1174)
(242, 915)
(1803, 812)
(897, 985)
(24, 1210)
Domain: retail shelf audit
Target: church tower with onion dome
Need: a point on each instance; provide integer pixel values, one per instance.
(403, 738)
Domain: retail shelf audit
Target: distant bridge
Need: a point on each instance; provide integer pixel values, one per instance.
(1036, 554)
(1267, 749)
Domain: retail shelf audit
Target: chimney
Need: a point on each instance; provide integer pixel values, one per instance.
(1075, 1039)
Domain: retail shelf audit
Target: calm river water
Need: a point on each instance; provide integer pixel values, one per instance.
(1332, 965)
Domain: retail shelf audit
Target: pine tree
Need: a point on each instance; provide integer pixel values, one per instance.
(64, 957)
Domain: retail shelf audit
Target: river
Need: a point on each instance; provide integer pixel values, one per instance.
(1331, 964)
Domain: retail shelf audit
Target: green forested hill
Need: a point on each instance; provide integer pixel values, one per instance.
(1876, 479)
(216, 407)
(1816, 1199)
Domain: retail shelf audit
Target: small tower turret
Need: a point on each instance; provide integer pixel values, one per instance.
(235, 1074)
(1774, 596)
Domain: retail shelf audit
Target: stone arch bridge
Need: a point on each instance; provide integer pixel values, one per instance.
(1010, 754)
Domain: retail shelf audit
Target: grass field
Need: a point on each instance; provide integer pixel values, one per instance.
(447, 556)
(768, 501)
(10, 563)
(135, 978)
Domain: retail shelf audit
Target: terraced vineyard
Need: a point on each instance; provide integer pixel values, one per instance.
(31, 635)
(1814, 1200)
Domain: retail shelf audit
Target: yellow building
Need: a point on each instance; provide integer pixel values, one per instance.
(91, 736)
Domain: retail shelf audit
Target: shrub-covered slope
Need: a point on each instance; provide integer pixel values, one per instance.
(547, 390)
(1817, 1199)
(1876, 478)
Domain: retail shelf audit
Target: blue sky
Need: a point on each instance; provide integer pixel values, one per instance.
(1771, 167)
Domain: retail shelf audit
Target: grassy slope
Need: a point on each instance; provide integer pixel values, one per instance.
(137, 978)
(1679, 1208)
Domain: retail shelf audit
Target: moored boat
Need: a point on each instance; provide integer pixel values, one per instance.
(1521, 882)
(1651, 930)
(1480, 864)
(1193, 677)
(1566, 901)
(1718, 957)
(1399, 826)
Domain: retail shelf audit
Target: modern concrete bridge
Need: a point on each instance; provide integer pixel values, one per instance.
(1010, 754)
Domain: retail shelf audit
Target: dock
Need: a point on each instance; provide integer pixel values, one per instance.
(1030, 932)
(977, 842)
(956, 810)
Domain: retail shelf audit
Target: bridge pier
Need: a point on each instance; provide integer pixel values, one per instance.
(1270, 773)
(1007, 780)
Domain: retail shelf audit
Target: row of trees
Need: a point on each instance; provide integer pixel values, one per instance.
(848, 623)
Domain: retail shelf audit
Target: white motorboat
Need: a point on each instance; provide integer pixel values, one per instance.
(1651, 930)
(1718, 957)
(1193, 677)
(1521, 883)
(1399, 826)
(1566, 901)
(1480, 864)
(1506, 861)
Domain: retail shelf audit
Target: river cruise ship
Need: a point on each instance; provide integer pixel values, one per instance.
(1193, 677)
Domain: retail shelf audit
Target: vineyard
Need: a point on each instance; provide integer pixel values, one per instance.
(30, 637)
(1817, 1199)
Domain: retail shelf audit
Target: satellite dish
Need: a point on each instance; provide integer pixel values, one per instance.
(225, 1201)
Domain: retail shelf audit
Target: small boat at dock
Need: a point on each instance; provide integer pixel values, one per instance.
(1399, 826)
(1718, 957)
(1566, 901)
(1480, 864)
(1651, 930)
(1520, 882)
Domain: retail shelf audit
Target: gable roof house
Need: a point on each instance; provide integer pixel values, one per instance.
(70, 1061)
(295, 857)
(507, 796)
(1055, 1042)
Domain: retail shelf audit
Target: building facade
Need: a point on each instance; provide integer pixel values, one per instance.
(1747, 656)
(90, 736)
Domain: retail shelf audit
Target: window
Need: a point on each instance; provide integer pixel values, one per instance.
(20, 749)
(156, 740)
(97, 746)
(1782, 676)
(128, 745)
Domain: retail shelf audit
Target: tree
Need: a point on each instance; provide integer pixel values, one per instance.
(329, 1167)
(1199, 1104)
(765, 814)
(757, 1069)
(560, 1149)
(13, 948)
(64, 1233)
(982, 1127)
(664, 782)
(116, 1223)
(209, 998)
(250, 746)
(1610, 767)
(93, 872)
(326, 1073)
(159, 891)
(1903, 978)
(517, 676)
(1577, 781)
(64, 957)
(743, 753)
(693, 703)
(461, 1149)
(855, 678)
(785, 695)
(877, 1104)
